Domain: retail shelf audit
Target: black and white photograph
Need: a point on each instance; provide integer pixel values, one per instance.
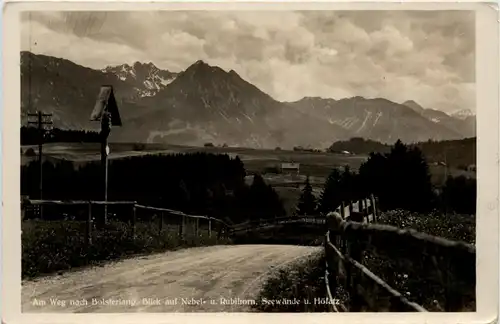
(250, 161)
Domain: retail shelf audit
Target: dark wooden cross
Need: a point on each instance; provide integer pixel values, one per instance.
(106, 111)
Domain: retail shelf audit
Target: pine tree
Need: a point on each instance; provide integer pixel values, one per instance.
(330, 196)
(400, 179)
(307, 202)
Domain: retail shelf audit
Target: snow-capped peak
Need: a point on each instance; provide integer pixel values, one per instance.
(149, 79)
(463, 114)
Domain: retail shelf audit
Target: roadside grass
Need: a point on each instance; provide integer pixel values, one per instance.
(454, 227)
(408, 276)
(305, 279)
(53, 246)
(294, 288)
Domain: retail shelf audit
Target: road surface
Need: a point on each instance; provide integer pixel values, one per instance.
(205, 279)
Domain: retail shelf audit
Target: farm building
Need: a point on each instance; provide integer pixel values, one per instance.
(291, 168)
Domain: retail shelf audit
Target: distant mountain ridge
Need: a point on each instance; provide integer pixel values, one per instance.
(207, 104)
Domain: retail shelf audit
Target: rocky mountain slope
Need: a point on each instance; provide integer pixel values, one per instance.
(378, 119)
(147, 78)
(207, 104)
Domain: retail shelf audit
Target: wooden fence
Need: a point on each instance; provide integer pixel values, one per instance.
(214, 224)
(351, 235)
(437, 262)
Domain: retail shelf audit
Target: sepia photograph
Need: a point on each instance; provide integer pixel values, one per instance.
(249, 161)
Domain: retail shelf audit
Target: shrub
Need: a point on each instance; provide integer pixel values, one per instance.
(30, 152)
(209, 145)
(139, 147)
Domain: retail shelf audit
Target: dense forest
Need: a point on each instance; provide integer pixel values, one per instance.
(196, 183)
(31, 136)
(400, 179)
(457, 153)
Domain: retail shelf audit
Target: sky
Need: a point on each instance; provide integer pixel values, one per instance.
(425, 56)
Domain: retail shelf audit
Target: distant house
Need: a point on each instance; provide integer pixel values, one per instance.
(290, 168)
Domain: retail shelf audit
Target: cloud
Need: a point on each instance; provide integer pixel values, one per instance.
(426, 56)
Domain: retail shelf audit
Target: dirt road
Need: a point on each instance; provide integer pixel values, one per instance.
(206, 279)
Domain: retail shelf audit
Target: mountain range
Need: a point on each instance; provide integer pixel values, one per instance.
(208, 104)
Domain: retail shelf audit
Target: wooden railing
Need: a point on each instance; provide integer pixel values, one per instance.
(162, 213)
(351, 235)
(349, 241)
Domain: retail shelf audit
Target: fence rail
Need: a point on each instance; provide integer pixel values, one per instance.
(224, 228)
(448, 264)
(351, 231)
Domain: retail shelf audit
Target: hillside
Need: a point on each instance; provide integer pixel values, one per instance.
(377, 119)
(208, 104)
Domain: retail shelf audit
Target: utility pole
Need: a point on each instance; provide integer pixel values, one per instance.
(42, 119)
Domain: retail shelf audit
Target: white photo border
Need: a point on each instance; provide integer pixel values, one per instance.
(488, 124)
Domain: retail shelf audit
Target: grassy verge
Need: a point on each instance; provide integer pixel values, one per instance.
(295, 287)
(451, 226)
(409, 278)
(51, 246)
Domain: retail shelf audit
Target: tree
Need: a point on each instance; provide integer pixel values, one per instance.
(400, 179)
(330, 196)
(307, 202)
(263, 200)
(459, 194)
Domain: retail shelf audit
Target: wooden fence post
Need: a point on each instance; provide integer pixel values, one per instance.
(351, 208)
(88, 227)
(342, 210)
(367, 211)
(210, 227)
(133, 220)
(181, 228)
(374, 208)
(356, 253)
(161, 223)
(361, 208)
(196, 227)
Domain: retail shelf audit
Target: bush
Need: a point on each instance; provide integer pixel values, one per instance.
(459, 194)
(209, 145)
(30, 152)
(49, 246)
(139, 147)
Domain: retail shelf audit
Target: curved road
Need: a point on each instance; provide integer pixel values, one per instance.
(205, 279)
